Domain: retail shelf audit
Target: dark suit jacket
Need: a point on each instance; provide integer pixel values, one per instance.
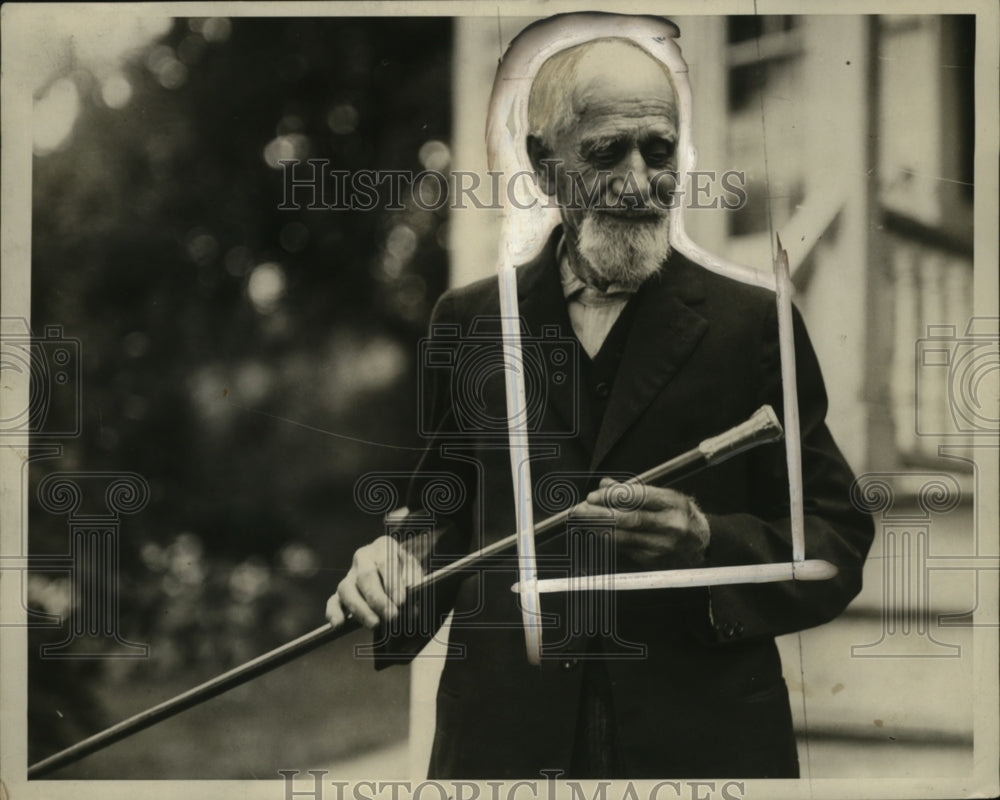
(703, 695)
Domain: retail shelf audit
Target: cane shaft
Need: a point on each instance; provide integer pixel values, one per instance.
(199, 694)
(761, 427)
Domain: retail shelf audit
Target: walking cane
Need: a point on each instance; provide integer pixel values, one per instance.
(761, 427)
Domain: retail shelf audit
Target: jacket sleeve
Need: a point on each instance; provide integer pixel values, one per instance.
(834, 529)
(439, 502)
(439, 425)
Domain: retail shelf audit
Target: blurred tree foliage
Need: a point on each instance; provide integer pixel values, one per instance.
(221, 336)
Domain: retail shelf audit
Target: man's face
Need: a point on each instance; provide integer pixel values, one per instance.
(612, 171)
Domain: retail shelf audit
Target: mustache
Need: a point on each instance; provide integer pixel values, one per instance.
(635, 214)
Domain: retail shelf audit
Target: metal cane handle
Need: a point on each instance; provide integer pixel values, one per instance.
(763, 426)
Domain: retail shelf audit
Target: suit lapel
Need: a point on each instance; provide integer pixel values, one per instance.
(665, 331)
(542, 304)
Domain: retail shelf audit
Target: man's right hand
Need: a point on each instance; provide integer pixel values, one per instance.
(376, 584)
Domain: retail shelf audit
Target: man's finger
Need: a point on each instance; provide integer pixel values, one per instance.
(395, 583)
(372, 584)
(658, 544)
(589, 509)
(612, 493)
(642, 519)
(410, 572)
(639, 519)
(653, 498)
(352, 600)
(335, 612)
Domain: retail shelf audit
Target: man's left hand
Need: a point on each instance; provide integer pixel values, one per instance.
(655, 527)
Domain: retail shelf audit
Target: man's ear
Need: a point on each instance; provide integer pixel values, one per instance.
(540, 157)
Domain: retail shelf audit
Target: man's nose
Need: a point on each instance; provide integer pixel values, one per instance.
(630, 184)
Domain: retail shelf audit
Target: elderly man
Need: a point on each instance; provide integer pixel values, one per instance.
(669, 683)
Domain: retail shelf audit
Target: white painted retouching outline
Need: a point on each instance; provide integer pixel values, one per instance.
(523, 232)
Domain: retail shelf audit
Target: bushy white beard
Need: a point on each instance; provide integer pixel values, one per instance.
(623, 251)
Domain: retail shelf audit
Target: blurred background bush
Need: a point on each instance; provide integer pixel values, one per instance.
(249, 362)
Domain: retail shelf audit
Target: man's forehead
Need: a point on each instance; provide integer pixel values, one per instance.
(657, 117)
(614, 75)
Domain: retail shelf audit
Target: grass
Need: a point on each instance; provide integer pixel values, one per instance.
(325, 707)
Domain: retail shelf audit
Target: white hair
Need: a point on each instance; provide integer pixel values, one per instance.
(622, 252)
(551, 111)
(525, 230)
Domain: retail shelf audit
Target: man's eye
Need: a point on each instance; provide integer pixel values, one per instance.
(658, 154)
(606, 155)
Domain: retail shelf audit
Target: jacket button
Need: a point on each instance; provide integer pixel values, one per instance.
(727, 630)
(603, 389)
(738, 628)
(569, 663)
